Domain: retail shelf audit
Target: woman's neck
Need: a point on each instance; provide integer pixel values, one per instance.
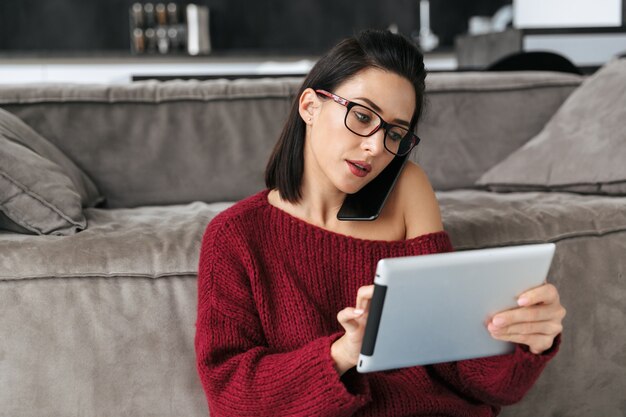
(317, 206)
(320, 204)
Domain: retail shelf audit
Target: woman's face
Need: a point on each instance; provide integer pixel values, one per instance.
(334, 156)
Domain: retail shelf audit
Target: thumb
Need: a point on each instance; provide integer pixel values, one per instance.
(347, 318)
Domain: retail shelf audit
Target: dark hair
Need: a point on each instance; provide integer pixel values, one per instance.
(370, 48)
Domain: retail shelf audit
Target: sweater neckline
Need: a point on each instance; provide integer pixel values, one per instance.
(284, 216)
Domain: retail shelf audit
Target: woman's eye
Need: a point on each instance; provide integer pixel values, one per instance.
(395, 136)
(364, 118)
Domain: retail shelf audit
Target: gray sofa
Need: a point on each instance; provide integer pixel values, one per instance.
(101, 321)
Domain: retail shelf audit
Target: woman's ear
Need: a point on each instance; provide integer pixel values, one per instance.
(309, 105)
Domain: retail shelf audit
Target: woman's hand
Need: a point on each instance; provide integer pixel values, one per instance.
(535, 323)
(345, 350)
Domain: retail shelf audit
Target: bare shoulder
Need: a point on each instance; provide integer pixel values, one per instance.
(417, 201)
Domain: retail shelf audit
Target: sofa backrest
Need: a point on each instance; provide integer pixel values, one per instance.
(151, 143)
(175, 142)
(473, 120)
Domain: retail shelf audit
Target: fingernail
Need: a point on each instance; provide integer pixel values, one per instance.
(493, 328)
(358, 311)
(498, 321)
(522, 301)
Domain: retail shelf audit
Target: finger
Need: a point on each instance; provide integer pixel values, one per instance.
(348, 318)
(546, 294)
(546, 328)
(537, 343)
(363, 296)
(528, 314)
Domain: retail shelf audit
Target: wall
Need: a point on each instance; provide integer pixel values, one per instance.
(268, 26)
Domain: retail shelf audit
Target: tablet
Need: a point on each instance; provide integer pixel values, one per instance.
(435, 308)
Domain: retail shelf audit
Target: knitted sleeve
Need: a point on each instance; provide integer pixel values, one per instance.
(240, 373)
(497, 380)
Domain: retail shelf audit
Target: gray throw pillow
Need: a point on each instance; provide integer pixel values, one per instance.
(36, 195)
(14, 129)
(582, 149)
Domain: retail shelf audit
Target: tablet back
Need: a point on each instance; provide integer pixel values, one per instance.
(434, 308)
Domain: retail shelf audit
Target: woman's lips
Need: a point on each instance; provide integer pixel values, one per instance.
(359, 168)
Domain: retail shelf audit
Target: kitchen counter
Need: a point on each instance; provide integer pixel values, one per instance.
(120, 67)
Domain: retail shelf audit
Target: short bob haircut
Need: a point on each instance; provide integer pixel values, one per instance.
(370, 48)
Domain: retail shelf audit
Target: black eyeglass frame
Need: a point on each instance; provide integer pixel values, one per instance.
(350, 104)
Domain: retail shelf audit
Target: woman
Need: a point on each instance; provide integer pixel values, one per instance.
(283, 286)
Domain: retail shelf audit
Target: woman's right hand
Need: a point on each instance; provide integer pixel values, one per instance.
(345, 350)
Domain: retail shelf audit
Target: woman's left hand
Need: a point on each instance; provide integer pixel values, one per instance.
(535, 323)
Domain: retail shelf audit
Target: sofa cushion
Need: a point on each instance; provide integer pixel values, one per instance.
(481, 219)
(35, 194)
(148, 242)
(14, 129)
(163, 241)
(583, 147)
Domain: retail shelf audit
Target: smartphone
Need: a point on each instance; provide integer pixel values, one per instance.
(368, 202)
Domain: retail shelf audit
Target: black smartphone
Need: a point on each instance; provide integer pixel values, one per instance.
(368, 202)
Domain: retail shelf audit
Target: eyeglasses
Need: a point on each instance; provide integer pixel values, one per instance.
(363, 121)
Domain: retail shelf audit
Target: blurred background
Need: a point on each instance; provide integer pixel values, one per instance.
(125, 40)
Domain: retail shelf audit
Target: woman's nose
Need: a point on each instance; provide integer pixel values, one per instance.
(374, 144)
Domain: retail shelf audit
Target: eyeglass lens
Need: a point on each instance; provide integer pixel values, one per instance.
(364, 122)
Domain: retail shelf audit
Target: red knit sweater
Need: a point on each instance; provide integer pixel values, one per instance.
(269, 290)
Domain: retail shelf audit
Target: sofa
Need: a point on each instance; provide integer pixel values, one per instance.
(98, 301)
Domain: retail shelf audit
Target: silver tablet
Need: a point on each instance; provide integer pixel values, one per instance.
(434, 308)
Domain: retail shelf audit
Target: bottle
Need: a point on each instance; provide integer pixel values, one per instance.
(136, 16)
(172, 13)
(148, 11)
(161, 16)
(138, 41)
(198, 40)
